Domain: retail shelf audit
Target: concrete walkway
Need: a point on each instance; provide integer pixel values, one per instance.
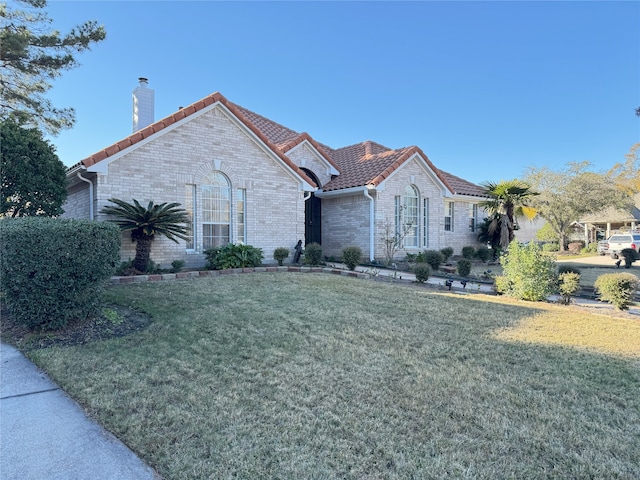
(45, 435)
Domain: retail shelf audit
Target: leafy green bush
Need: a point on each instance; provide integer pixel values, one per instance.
(617, 289)
(629, 255)
(592, 248)
(564, 268)
(568, 285)
(446, 253)
(464, 267)
(530, 272)
(233, 256)
(483, 253)
(351, 257)
(280, 254)
(433, 258)
(551, 247)
(177, 265)
(53, 270)
(313, 254)
(468, 252)
(422, 272)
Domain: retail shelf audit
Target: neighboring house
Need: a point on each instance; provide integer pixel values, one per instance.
(244, 178)
(610, 221)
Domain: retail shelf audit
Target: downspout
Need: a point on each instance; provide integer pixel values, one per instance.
(371, 225)
(90, 191)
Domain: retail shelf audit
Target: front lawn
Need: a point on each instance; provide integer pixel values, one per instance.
(309, 376)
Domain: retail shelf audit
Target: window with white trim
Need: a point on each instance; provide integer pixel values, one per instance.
(473, 216)
(448, 216)
(190, 207)
(241, 201)
(411, 205)
(216, 211)
(425, 222)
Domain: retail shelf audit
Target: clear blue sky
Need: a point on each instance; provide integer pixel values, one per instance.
(485, 89)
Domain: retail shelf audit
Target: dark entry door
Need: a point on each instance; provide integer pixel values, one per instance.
(313, 220)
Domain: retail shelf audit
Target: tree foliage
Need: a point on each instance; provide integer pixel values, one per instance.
(165, 219)
(32, 54)
(568, 195)
(507, 199)
(626, 175)
(32, 177)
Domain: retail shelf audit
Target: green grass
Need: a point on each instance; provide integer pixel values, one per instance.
(320, 376)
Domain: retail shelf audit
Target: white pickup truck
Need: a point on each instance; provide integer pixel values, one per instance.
(619, 241)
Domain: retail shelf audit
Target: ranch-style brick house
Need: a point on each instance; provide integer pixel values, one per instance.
(244, 178)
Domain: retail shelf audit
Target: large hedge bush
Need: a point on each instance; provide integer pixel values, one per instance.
(233, 256)
(530, 273)
(617, 289)
(53, 270)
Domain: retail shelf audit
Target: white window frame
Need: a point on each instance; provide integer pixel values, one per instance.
(425, 222)
(216, 211)
(473, 217)
(449, 216)
(241, 215)
(190, 208)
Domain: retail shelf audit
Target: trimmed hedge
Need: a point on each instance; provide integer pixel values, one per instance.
(617, 289)
(53, 270)
(233, 256)
(313, 254)
(351, 256)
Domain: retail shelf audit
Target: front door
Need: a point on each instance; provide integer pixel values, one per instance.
(313, 220)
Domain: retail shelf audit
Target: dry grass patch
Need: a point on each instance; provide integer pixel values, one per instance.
(571, 327)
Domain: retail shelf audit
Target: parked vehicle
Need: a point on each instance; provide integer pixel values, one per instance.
(603, 247)
(619, 241)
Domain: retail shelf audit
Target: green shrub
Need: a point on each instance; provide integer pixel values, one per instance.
(630, 256)
(464, 267)
(53, 270)
(531, 273)
(551, 247)
(468, 252)
(483, 253)
(617, 289)
(313, 254)
(422, 272)
(351, 257)
(592, 248)
(177, 265)
(446, 253)
(433, 258)
(564, 268)
(280, 254)
(568, 285)
(233, 256)
(502, 284)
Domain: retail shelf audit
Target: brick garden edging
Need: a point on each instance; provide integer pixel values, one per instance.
(161, 277)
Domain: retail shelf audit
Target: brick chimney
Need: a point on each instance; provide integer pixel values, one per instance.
(143, 105)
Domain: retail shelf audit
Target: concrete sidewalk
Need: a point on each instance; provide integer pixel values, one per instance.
(46, 435)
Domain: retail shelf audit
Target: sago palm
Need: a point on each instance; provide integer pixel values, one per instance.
(507, 199)
(165, 219)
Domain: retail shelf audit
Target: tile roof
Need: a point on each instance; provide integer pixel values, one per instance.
(362, 164)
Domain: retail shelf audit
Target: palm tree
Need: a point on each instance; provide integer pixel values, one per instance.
(145, 223)
(507, 199)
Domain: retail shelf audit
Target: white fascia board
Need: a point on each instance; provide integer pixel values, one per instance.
(343, 192)
(331, 170)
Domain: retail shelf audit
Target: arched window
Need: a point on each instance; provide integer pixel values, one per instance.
(411, 205)
(216, 211)
(407, 219)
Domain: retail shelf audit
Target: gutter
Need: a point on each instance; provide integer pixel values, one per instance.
(79, 174)
(371, 225)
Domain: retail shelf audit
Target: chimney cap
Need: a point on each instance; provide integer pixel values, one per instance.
(143, 80)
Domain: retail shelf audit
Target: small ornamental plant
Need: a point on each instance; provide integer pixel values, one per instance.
(617, 289)
(351, 257)
(433, 258)
(422, 272)
(446, 253)
(483, 254)
(468, 252)
(568, 285)
(313, 254)
(280, 254)
(464, 267)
